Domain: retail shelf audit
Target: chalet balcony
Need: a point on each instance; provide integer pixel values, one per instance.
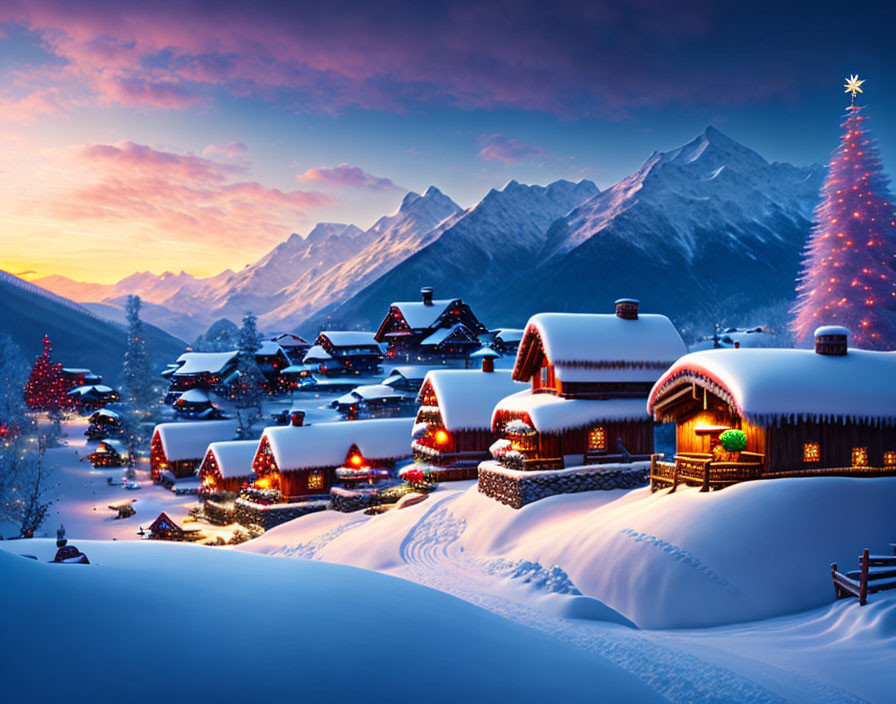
(703, 470)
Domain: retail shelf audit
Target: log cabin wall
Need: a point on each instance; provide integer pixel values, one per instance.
(472, 440)
(718, 413)
(295, 483)
(836, 442)
(637, 437)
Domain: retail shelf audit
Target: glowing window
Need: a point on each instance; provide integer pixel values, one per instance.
(597, 439)
(860, 457)
(890, 458)
(316, 480)
(812, 452)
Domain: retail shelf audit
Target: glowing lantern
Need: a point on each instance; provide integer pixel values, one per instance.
(356, 460)
(441, 437)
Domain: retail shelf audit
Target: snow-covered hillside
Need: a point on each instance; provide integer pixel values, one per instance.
(179, 623)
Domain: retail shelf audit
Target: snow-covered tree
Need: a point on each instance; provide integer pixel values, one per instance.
(849, 269)
(139, 388)
(249, 386)
(46, 389)
(26, 491)
(13, 373)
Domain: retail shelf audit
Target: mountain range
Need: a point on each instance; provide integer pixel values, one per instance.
(710, 229)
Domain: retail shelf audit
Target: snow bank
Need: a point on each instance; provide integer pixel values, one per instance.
(752, 551)
(322, 633)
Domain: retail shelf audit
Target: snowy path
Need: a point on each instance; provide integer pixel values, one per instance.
(680, 669)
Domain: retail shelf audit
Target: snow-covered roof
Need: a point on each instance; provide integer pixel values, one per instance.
(116, 445)
(328, 444)
(289, 339)
(467, 397)
(104, 412)
(554, 414)
(297, 368)
(268, 348)
(194, 396)
(410, 371)
(442, 334)
(204, 362)
(509, 334)
(577, 344)
(90, 388)
(234, 457)
(350, 338)
(766, 386)
(418, 315)
(189, 441)
(372, 391)
(77, 370)
(316, 353)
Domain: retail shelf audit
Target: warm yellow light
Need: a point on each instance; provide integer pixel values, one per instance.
(356, 460)
(441, 437)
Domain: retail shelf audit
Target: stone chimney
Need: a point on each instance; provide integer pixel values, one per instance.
(627, 308)
(831, 340)
(297, 418)
(426, 293)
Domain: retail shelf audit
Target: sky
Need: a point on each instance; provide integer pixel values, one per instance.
(197, 135)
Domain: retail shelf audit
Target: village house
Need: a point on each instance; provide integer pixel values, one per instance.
(453, 428)
(179, 448)
(197, 404)
(506, 341)
(590, 377)
(200, 370)
(300, 461)
(406, 377)
(744, 414)
(337, 352)
(75, 376)
(110, 453)
(227, 466)
(294, 346)
(372, 401)
(430, 330)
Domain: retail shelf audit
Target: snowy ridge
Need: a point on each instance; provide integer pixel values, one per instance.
(11, 280)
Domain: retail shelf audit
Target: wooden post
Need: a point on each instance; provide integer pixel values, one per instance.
(863, 583)
(836, 586)
(674, 478)
(705, 486)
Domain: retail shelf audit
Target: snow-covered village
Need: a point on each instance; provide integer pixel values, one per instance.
(447, 352)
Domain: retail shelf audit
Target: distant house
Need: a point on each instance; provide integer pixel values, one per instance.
(590, 377)
(92, 397)
(109, 453)
(180, 447)
(80, 377)
(371, 401)
(506, 341)
(271, 359)
(196, 403)
(429, 329)
(294, 346)
(201, 370)
(227, 466)
(301, 461)
(345, 352)
(453, 426)
(408, 378)
(795, 412)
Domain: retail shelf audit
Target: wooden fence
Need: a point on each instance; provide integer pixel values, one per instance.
(876, 573)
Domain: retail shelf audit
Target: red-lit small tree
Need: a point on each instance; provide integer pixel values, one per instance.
(849, 267)
(46, 389)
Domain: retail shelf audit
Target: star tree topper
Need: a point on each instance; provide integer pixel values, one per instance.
(853, 86)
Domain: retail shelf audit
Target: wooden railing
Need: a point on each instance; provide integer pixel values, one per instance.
(701, 469)
(876, 573)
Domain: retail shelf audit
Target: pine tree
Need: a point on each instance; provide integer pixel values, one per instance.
(46, 389)
(849, 267)
(13, 374)
(138, 383)
(249, 386)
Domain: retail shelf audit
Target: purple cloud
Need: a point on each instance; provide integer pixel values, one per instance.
(231, 150)
(497, 147)
(350, 176)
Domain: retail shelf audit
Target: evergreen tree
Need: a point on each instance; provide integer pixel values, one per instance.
(138, 382)
(26, 493)
(249, 386)
(849, 268)
(46, 389)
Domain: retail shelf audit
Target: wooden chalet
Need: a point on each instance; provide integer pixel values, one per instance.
(372, 401)
(164, 528)
(506, 341)
(428, 330)
(180, 447)
(300, 461)
(227, 466)
(590, 376)
(197, 404)
(272, 359)
(407, 377)
(103, 424)
(75, 377)
(453, 427)
(337, 352)
(294, 346)
(92, 397)
(201, 370)
(109, 453)
(827, 411)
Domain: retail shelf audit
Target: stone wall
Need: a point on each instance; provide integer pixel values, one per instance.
(348, 501)
(248, 513)
(515, 489)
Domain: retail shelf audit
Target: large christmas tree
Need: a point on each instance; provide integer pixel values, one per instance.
(849, 268)
(46, 389)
